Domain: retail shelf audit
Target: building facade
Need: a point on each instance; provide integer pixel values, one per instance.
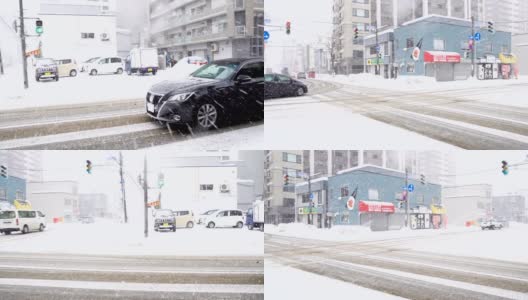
(213, 29)
(520, 49)
(280, 197)
(94, 205)
(510, 208)
(58, 200)
(91, 29)
(360, 195)
(467, 203)
(313, 210)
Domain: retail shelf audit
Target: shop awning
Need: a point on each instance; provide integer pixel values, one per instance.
(438, 210)
(507, 58)
(376, 206)
(441, 57)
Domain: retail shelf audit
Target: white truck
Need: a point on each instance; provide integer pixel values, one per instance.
(255, 216)
(142, 61)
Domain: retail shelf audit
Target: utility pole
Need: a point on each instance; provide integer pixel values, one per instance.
(23, 40)
(145, 194)
(406, 197)
(310, 216)
(474, 48)
(122, 185)
(1, 64)
(377, 52)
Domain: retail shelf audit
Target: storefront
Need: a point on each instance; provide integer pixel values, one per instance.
(420, 217)
(488, 67)
(441, 64)
(310, 215)
(438, 216)
(375, 214)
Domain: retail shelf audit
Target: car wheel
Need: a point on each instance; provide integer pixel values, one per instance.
(300, 92)
(211, 225)
(7, 232)
(154, 73)
(190, 224)
(73, 73)
(129, 72)
(119, 71)
(174, 228)
(37, 78)
(25, 229)
(239, 225)
(207, 116)
(93, 72)
(41, 227)
(250, 226)
(262, 227)
(57, 78)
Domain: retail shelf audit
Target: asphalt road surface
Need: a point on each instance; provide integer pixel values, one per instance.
(447, 116)
(67, 276)
(112, 125)
(387, 266)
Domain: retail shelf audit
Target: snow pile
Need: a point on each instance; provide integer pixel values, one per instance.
(128, 239)
(183, 68)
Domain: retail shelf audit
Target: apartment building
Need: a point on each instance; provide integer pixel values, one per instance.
(214, 29)
(280, 198)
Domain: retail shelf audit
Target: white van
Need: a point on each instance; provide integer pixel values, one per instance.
(106, 65)
(21, 220)
(225, 218)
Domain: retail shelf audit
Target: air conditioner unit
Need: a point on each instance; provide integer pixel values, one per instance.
(224, 188)
(214, 47)
(104, 37)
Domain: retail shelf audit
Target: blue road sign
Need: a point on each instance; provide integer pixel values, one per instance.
(266, 35)
(410, 188)
(311, 196)
(477, 36)
(378, 48)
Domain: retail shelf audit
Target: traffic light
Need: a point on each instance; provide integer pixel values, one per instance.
(38, 29)
(288, 27)
(88, 167)
(422, 178)
(505, 170)
(356, 33)
(161, 180)
(286, 179)
(3, 171)
(490, 27)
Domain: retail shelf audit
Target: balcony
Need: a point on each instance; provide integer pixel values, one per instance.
(240, 31)
(174, 21)
(193, 39)
(164, 9)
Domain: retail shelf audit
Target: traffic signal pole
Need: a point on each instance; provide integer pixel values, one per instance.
(474, 48)
(145, 194)
(23, 41)
(407, 197)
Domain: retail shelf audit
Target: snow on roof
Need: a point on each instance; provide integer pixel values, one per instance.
(434, 17)
(312, 181)
(379, 33)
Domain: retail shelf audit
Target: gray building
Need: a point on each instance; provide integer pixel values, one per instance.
(58, 200)
(213, 29)
(510, 207)
(467, 203)
(520, 49)
(94, 205)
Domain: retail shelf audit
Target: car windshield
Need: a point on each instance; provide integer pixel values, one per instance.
(269, 77)
(209, 212)
(7, 214)
(92, 60)
(216, 70)
(44, 62)
(163, 213)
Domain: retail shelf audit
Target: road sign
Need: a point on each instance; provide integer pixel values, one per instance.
(378, 48)
(410, 187)
(477, 36)
(350, 203)
(266, 35)
(311, 196)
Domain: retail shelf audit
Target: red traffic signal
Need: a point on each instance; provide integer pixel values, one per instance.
(356, 33)
(288, 27)
(286, 179)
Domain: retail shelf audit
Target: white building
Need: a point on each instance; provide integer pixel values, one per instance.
(58, 200)
(467, 203)
(78, 29)
(508, 15)
(23, 164)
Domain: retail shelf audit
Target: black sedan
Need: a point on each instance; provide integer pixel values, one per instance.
(278, 85)
(219, 91)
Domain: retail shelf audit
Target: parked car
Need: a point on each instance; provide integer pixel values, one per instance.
(202, 217)
(21, 220)
(219, 91)
(301, 75)
(225, 218)
(67, 67)
(491, 224)
(87, 220)
(184, 218)
(278, 85)
(107, 65)
(46, 68)
(164, 219)
(85, 66)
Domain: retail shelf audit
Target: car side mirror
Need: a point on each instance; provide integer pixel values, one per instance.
(243, 79)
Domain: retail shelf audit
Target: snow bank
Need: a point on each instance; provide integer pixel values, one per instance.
(179, 71)
(127, 239)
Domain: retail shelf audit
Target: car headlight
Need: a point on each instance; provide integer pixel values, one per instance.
(180, 97)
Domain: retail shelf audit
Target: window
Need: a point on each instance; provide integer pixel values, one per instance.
(253, 70)
(288, 202)
(373, 194)
(7, 214)
(289, 157)
(115, 60)
(373, 50)
(224, 213)
(283, 78)
(344, 191)
(373, 157)
(410, 43)
(236, 213)
(292, 172)
(410, 67)
(32, 214)
(361, 1)
(357, 54)
(439, 44)
(206, 187)
(344, 218)
(288, 188)
(305, 198)
(358, 12)
(40, 214)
